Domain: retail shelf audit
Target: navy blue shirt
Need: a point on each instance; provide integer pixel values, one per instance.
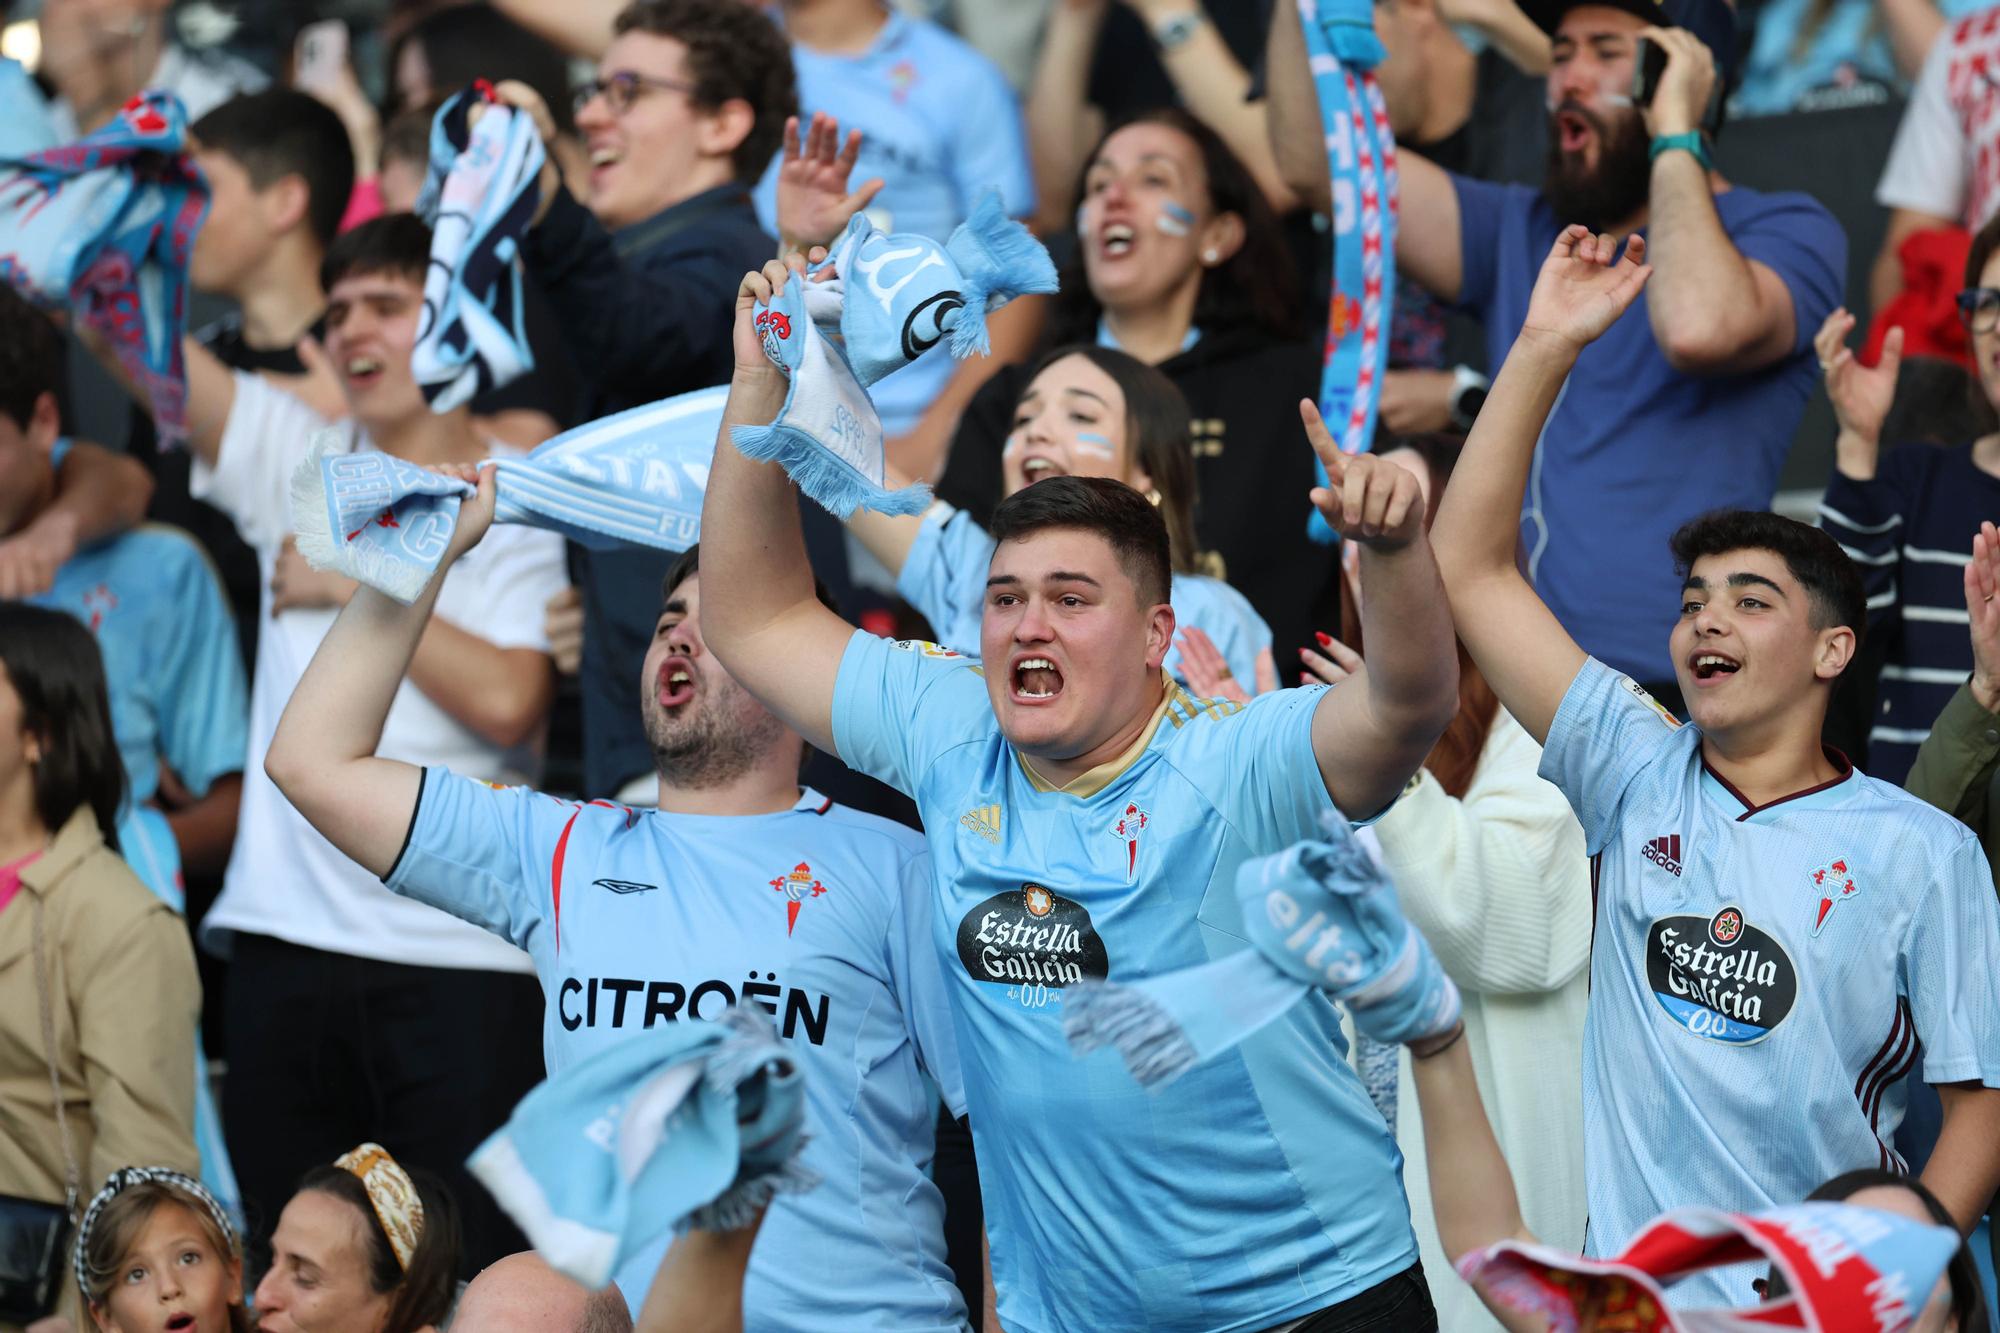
(1635, 448)
(647, 312)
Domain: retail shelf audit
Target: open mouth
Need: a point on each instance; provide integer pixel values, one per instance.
(362, 370)
(677, 682)
(1117, 240)
(1712, 666)
(1573, 131)
(1036, 680)
(179, 1321)
(1037, 466)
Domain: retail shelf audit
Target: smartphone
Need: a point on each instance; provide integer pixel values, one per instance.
(1649, 62)
(320, 56)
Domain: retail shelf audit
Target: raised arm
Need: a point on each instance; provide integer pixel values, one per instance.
(577, 27)
(98, 494)
(1956, 763)
(1525, 653)
(759, 611)
(1713, 310)
(1373, 731)
(1292, 110)
(322, 756)
(699, 1288)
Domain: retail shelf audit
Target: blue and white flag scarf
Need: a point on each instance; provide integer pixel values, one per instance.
(895, 297)
(103, 227)
(1320, 914)
(479, 197)
(687, 1125)
(632, 479)
(1361, 152)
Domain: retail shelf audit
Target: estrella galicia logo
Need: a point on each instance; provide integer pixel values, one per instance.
(1720, 977)
(1031, 937)
(624, 885)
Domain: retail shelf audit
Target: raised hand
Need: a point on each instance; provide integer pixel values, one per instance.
(1982, 588)
(1365, 500)
(1580, 291)
(757, 288)
(1860, 396)
(813, 201)
(1335, 663)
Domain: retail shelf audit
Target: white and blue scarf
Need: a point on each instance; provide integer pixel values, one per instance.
(687, 1125)
(632, 479)
(895, 298)
(1361, 152)
(479, 197)
(103, 227)
(1320, 914)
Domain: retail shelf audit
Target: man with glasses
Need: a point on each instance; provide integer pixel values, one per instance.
(688, 105)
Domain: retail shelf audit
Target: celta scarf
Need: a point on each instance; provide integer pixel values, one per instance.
(632, 479)
(895, 297)
(479, 197)
(1361, 154)
(687, 1125)
(103, 227)
(1847, 1270)
(1318, 915)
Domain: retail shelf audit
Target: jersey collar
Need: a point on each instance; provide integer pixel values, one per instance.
(1826, 793)
(1094, 780)
(811, 802)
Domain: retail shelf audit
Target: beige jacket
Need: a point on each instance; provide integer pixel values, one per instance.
(126, 1001)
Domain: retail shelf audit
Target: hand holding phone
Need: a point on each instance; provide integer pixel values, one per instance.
(320, 57)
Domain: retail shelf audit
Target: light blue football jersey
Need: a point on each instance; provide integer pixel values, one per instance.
(819, 915)
(944, 578)
(1762, 978)
(1260, 1187)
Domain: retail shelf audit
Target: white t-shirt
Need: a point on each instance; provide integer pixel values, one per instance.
(203, 82)
(1946, 158)
(284, 879)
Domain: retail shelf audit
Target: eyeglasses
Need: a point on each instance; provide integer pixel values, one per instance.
(622, 89)
(1979, 307)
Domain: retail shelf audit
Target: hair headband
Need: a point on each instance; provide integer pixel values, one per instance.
(391, 1193)
(125, 1178)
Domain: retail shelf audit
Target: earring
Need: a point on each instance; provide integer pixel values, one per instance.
(1153, 497)
(1211, 256)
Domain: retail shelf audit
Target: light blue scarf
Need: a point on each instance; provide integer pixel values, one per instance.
(895, 298)
(103, 227)
(479, 197)
(1343, 49)
(687, 1125)
(1320, 914)
(632, 479)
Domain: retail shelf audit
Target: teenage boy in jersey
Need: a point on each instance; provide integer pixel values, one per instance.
(1780, 939)
(1087, 816)
(741, 887)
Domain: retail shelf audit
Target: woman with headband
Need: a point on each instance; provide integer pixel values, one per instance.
(156, 1251)
(363, 1247)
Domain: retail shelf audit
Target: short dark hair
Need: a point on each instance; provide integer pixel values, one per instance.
(282, 132)
(30, 356)
(1111, 509)
(735, 52)
(53, 665)
(407, 136)
(398, 243)
(1832, 583)
(462, 43)
(1256, 286)
(423, 1294)
(688, 564)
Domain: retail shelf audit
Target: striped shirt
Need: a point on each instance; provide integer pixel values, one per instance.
(1910, 531)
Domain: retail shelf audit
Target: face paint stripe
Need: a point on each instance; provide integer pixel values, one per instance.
(1093, 443)
(1173, 219)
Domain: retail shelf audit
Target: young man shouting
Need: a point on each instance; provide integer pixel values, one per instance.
(1086, 817)
(1779, 938)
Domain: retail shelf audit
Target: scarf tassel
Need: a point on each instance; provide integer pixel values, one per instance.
(833, 482)
(998, 259)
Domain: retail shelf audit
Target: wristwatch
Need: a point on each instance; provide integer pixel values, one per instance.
(1693, 142)
(1177, 30)
(1468, 395)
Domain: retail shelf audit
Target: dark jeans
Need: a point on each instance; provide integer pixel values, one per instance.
(1400, 1305)
(327, 1051)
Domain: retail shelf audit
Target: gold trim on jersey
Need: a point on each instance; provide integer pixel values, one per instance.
(1176, 706)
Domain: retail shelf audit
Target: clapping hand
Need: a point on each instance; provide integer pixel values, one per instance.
(1580, 291)
(1206, 670)
(813, 201)
(1982, 588)
(1860, 396)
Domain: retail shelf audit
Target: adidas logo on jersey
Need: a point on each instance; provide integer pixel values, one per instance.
(1665, 853)
(985, 821)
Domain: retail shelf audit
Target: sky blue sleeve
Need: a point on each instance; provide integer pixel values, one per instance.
(1230, 622)
(485, 854)
(1950, 956)
(1255, 763)
(991, 151)
(944, 576)
(898, 704)
(919, 981)
(1606, 732)
(204, 704)
(1799, 240)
